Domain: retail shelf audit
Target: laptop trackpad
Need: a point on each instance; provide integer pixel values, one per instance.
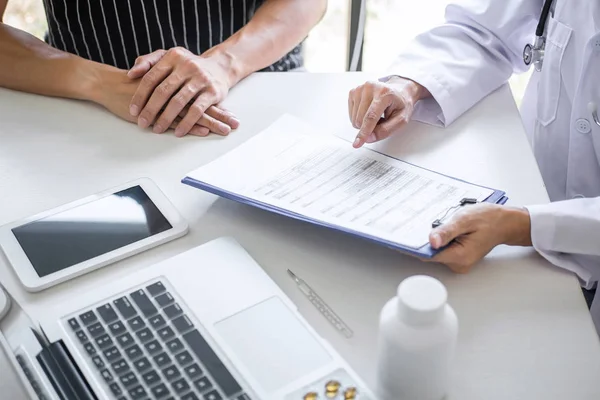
(273, 344)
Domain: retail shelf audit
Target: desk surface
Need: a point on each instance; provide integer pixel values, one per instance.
(525, 331)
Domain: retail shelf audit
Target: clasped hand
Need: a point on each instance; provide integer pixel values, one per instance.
(173, 88)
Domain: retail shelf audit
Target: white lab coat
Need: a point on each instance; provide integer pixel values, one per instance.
(475, 52)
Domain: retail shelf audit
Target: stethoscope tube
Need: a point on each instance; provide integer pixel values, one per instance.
(541, 26)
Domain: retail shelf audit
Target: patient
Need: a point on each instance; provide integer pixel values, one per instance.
(166, 64)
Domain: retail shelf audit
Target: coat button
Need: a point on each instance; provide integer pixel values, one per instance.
(583, 125)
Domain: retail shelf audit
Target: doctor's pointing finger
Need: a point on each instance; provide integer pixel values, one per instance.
(379, 109)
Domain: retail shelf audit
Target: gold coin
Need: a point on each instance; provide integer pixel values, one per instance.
(350, 393)
(332, 386)
(311, 396)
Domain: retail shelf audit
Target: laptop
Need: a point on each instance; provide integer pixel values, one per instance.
(208, 324)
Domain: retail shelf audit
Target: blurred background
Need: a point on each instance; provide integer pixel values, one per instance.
(390, 24)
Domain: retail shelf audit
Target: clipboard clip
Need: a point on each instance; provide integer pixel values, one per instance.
(463, 202)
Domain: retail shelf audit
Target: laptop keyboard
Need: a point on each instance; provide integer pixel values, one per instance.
(145, 347)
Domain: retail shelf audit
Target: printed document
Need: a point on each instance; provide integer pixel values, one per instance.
(322, 178)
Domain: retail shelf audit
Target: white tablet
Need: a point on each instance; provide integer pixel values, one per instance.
(68, 241)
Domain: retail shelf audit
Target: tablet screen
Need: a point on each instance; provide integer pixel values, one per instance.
(90, 230)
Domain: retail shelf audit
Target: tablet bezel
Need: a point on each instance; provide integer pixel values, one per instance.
(33, 282)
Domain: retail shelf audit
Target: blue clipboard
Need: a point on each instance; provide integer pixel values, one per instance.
(426, 251)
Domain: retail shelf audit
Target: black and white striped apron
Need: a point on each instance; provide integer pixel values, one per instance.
(116, 32)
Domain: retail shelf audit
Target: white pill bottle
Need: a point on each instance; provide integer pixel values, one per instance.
(418, 332)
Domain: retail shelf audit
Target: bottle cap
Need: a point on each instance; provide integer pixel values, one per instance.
(421, 300)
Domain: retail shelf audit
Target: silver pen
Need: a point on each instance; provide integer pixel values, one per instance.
(323, 308)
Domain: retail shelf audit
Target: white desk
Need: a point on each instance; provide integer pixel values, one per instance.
(525, 330)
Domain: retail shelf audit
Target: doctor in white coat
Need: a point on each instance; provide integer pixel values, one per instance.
(445, 71)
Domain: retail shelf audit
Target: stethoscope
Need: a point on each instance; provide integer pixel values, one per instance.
(535, 53)
(593, 108)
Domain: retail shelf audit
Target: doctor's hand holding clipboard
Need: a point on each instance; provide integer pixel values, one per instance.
(474, 231)
(456, 65)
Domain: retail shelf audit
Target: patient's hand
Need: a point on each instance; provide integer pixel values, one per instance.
(177, 81)
(115, 91)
